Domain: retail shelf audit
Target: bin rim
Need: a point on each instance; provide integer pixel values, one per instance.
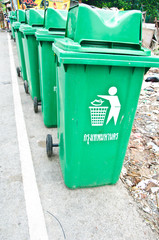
(29, 30)
(69, 45)
(23, 27)
(13, 17)
(16, 25)
(45, 35)
(48, 38)
(66, 57)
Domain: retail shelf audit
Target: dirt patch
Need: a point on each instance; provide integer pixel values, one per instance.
(140, 172)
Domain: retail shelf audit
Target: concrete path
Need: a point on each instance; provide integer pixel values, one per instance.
(13, 219)
(103, 213)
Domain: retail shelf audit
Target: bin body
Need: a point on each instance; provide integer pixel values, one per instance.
(25, 52)
(21, 19)
(20, 50)
(32, 65)
(55, 20)
(30, 46)
(93, 138)
(98, 87)
(47, 71)
(12, 20)
(92, 155)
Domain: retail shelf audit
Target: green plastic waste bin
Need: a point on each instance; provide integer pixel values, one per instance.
(12, 18)
(21, 19)
(35, 20)
(55, 25)
(100, 69)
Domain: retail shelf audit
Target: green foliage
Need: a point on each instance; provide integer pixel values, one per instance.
(2, 6)
(150, 6)
(126, 4)
(97, 3)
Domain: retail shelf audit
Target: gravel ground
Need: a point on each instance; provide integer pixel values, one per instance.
(140, 172)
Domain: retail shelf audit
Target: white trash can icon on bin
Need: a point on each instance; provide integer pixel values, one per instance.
(98, 113)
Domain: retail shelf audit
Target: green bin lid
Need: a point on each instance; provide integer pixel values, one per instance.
(55, 19)
(25, 28)
(23, 25)
(86, 24)
(12, 13)
(49, 36)
(13, 17)
(21, 16)
(69, 45)
(29, 30)
(70, 57)
(16, 25)
(35, 17)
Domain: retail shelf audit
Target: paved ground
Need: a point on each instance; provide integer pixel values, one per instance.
(103, 213)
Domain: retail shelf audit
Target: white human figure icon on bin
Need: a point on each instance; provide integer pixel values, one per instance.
(114, 103)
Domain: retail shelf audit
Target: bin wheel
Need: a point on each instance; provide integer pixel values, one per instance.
(35, 105)
(26, 86)
(14, 39)
(18, 71)
(11, 37)
(49, 145)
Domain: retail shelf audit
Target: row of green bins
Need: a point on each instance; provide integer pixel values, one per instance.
(35, 20)
(21, 19)
(12, 18)
(100, 69)
(55, 25)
